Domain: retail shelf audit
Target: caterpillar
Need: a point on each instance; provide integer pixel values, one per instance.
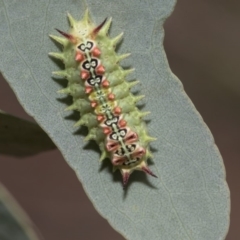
(100, 92)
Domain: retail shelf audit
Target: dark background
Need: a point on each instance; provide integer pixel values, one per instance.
(202, 44)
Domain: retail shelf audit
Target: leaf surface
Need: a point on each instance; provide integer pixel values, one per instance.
(190, 198)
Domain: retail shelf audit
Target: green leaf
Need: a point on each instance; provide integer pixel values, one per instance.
(14, 223)
(21, 138)
(190, 199)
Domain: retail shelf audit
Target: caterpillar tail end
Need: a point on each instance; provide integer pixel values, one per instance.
(141, 167)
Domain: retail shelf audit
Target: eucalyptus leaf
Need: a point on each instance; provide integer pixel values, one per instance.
(190, 198)
(20, 138)
(14, 223)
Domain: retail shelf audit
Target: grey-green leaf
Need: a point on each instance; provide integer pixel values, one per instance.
(21, 138)
(190, 199)
(14, 223)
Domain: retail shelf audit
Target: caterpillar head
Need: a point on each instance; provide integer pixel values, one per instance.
(81, 29)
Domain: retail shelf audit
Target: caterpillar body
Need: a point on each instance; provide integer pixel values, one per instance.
(102, 95)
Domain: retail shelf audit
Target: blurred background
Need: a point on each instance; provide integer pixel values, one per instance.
(202, 43)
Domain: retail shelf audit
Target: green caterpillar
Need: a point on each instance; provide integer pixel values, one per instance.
(102, 95)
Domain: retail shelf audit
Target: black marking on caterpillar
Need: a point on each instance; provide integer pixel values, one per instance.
(125, 140)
